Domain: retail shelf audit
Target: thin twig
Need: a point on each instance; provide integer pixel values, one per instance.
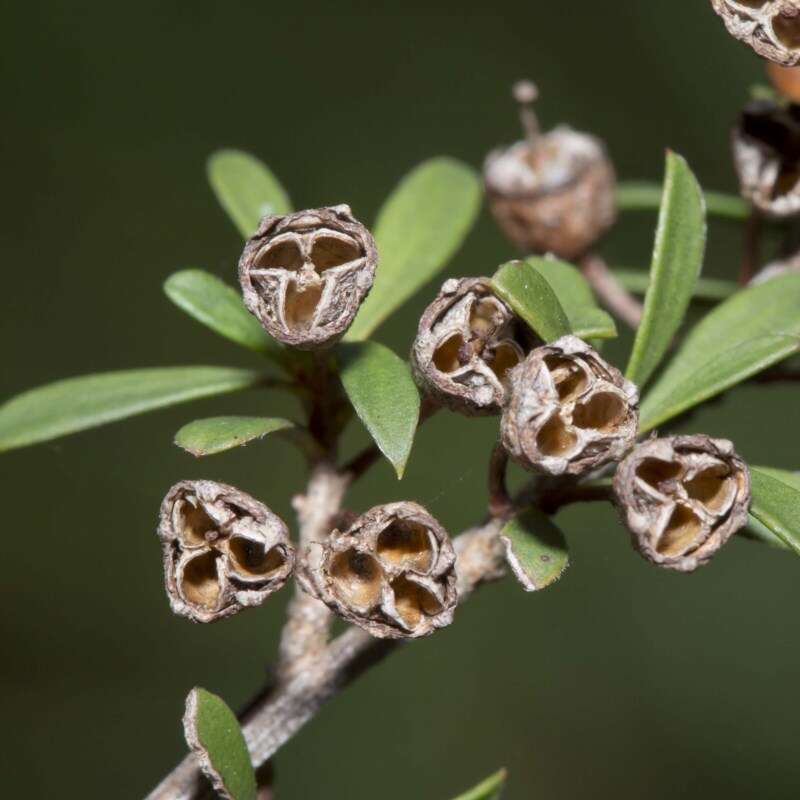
(500, 503)
(610, 290)
(305, 633)
(750, 250)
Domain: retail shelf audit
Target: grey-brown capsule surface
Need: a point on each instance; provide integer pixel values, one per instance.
(223, 550)
(568, 410)
(682, 498)
(555, 195)
(304, 275)
(467, 341)
(392, 572)
(766, 154)
(770, 27)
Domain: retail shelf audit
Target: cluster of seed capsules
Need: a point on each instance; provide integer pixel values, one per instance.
(564, 411)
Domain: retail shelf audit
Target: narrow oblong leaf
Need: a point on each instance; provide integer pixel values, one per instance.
(530, 296)
(379, 385)
(218, 306)
(586, 319)
(419, 228)
(776, 505)
(75, 404)
(205, 437)
(536, 549)
(714, 289)
(753, 330)
(677, 261)
(646, 196)
(213, 733)
(489, 789)
(245, 188)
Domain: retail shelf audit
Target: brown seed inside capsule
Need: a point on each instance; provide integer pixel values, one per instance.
(602, 412)
(554, 439)
(712, 487)
(194, 524)
(753, 3)
(200, 585)
(356, 578)
(301, 303)
(570, 380)
(406, 544)
(249, 557)
(333, 251)
(661, 475)
(412, 601)
(682, 529)
(786, 27)
(280, 255)
(445, 358)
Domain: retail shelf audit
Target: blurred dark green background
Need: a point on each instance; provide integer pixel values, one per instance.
(620, 682)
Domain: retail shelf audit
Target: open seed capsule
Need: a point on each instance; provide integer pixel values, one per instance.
(682, 498)
(223, 550)
(770, 27)
(568, 410)
(304, 275)
(392, 572)
(467, 341)
(766, 154)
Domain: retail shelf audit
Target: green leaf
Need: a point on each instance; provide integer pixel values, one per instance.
(528, 293)
(419, 228)
(489, 789)
(213, 733)
(753, 330)
(677, 261)
(76, 404)
(205, 437)
(646, 196)
(776, 504)
(586, 319)
(218, 306)
(714, 289)
(246, 189)
(384, 395)
(535, 549)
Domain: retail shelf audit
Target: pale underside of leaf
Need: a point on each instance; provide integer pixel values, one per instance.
(531, 297)
(246, 188)
(213, 733)
(205, 437)
(76, 404)
(756, 328)
(535, 548)
(419, 228)
(382, 391)
(677, 261)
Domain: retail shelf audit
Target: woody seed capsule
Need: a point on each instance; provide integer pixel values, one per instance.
(766, 154)
(770, 27)
(392, 572)
(223, 550)
(568, 411)
(467, 341)
(682, 498)
(304, 275)
(552, 192)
